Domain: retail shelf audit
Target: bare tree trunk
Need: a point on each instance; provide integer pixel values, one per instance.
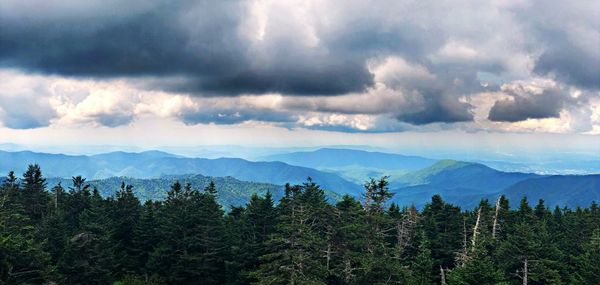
(525, 264)
(476, 229)
(462, 255)
(442, 276)
(328, 252)
(464, 235)
(495, 225)
(56, 200)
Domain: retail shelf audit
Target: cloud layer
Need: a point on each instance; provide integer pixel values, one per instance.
(357, 67)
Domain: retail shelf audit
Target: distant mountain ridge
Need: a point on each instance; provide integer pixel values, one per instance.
(452, 173)
(563, 190)
(465, 184)
(156, 164)
(334, 157)
(459, 182)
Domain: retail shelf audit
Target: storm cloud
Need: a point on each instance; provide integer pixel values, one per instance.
(548, 104)
(200, 42)
(360, 66)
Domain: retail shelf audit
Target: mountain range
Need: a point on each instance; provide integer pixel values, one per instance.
(340, 171)
(154, 164)
(335, 158)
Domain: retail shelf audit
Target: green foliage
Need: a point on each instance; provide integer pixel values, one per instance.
(80, 237)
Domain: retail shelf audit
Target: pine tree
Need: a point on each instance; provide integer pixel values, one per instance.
(478, 266)
(22, 259)
(146, 237)
(125, 215)
(10, 194)
(255, 225)
(87, 258)
(348, 241)
(192, 238)
(443, 227)
(77, 201)
(211, 188)
(589, 261)
(422, 266)
(294, 255)
(379, 263)
(34, 195)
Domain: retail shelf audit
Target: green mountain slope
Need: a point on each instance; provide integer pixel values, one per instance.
(231, 191)
(156, 164)
(447, 174)
(562, 190)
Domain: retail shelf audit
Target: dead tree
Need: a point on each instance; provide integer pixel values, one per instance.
(525, 271)
(476, 230)
(524, 276)
(462, 256)
(495, 224)
(404, 228)
(442, 276)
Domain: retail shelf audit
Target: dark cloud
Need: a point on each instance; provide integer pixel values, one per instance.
(217, 48)
(570, 65)
(438, 108)
(199, 41)
(569, 40)
(530, 106)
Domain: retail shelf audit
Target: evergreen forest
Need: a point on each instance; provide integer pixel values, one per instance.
(70, 234)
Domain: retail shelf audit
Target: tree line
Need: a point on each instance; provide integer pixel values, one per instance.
(73, 235)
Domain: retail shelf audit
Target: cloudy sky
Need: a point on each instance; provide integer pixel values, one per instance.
(163, 72)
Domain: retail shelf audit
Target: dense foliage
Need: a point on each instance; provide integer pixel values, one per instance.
(73, 235)
(231, 191)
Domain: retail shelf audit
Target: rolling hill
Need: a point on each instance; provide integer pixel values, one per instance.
(231, 191)
(562, 190)
(156, 164)
(458, 174)
(465, 184)
(462, 183)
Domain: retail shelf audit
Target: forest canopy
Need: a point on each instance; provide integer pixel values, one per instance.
(70, 234)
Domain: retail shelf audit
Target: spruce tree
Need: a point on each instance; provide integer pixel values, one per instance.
(125, 215)
(422, 266)
(22, 258)
(88, 257)
(589, 261)
(34, 196)
(294, 255)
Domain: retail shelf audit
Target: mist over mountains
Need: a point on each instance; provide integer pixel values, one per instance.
(413, 179)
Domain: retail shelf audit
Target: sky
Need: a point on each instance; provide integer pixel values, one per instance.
(496, 76)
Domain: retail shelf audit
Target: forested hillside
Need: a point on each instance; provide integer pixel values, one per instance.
(72, 235)
(462, 183)
(155, 164)
(232, 192)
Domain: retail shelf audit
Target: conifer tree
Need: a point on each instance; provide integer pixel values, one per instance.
(589, 261)
(22, 259)
(146, 237)
(294, 249)
(125, 214)
(88, 257)
(34, 195)
(443, 227)
(422, 266)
